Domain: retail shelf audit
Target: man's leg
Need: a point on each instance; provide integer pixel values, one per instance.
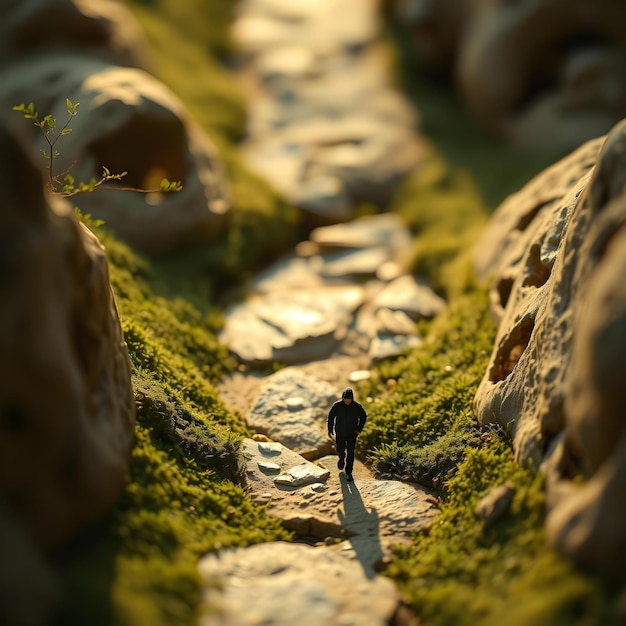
(340, 446)
(350, 446)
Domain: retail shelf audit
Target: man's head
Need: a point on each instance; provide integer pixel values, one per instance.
(347, 395)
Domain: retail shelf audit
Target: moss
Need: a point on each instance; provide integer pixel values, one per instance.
(466, 572)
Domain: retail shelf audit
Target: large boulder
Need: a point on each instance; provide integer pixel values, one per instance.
(556, 373)
(128, 121)
(544, 74)
(66, 400)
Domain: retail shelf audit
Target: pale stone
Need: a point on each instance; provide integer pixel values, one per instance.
(410, 296)
(303, 474)
(386, 230)
(387, 346)
(302, 428)
(290, 326)
(372, 514)
(292, 584)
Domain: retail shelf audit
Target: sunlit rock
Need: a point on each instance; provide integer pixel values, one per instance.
(292, 584)
(290, 326)
(372, 515)
(291, 408)
(556, 374)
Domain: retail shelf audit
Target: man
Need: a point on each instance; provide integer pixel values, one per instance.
(346, 419)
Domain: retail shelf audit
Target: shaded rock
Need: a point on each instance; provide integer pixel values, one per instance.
(507, 51)
(29, 590)
(292, 408)
(103, 29)
(495, 504)
(128, 122)
(62, 463)
(290, 327)
(292, 583)
(588, 524)
(134, 123)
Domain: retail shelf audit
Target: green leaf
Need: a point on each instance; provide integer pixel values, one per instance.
(66, 131)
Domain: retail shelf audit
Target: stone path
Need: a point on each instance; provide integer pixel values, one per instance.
(327, 130)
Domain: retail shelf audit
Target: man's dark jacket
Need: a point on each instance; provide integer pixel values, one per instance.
(346, 419)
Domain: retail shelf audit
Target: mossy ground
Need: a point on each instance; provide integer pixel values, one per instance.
(183, 497)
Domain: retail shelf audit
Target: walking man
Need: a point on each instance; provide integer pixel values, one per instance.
(346, 419)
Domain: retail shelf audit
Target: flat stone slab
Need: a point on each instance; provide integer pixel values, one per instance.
(285, 584)
(292, 408)
(371, 514)
(290, 326)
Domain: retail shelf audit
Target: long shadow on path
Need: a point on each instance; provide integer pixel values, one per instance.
(363, 527)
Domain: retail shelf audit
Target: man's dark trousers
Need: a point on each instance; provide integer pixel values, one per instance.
(345, 450)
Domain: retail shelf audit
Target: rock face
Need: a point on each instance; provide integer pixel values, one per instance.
(542, 73)
(555, 379)
(128, 121)
(65, 391)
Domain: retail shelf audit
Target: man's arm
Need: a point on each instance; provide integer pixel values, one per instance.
(362, 419)
(331, 421)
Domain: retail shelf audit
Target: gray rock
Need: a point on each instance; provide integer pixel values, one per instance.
(300, 426)
(292, 584)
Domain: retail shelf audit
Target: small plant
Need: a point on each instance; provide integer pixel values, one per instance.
(64, 183)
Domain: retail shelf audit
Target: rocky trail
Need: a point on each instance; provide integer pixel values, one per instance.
(329, 131)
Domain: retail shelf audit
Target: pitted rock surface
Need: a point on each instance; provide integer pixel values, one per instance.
(285, 584)
(326, 127)
(291, 409)
(557, 370)
(372, 515)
